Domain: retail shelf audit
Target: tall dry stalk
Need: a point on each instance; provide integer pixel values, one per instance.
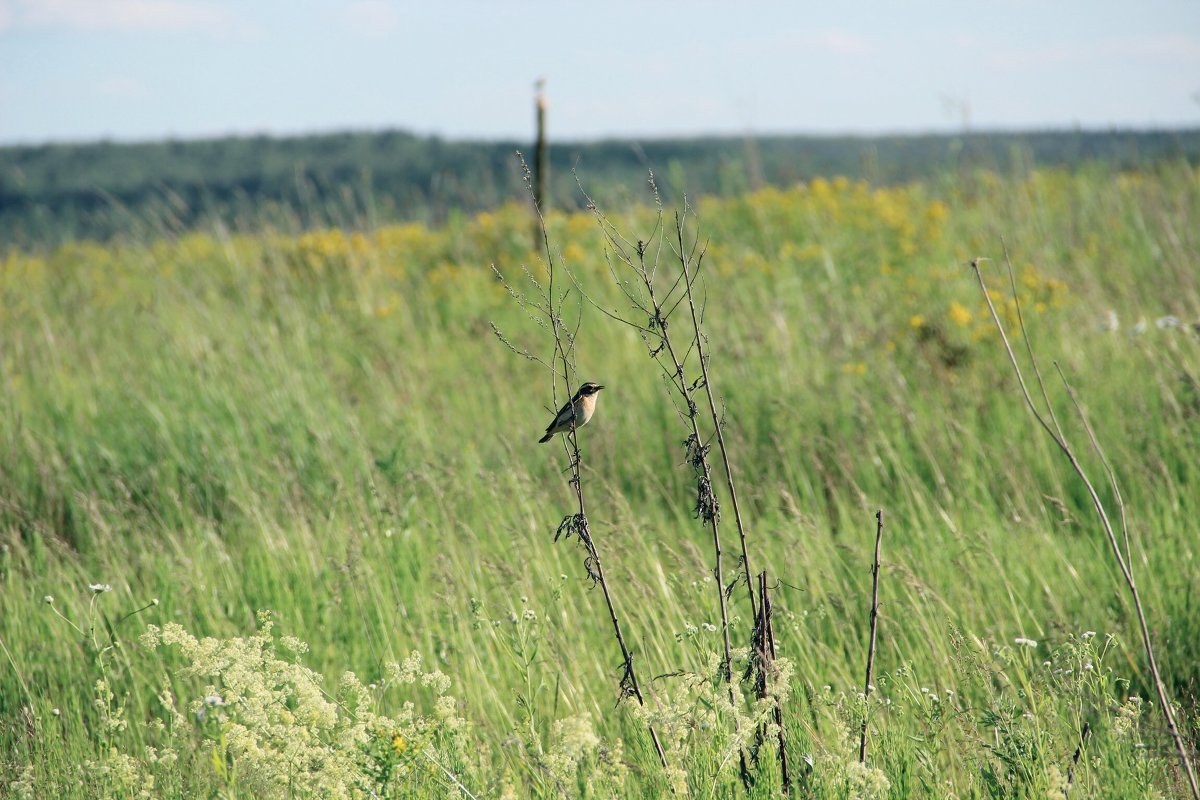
(671, 351)
(764, 653)
(862, 742)
(657, 306)
(547, 311)
(1124, 558)
(688, 283)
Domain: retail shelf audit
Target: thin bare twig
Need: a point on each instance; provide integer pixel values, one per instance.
(689, 281)
(1123, 559)
(764, 641)
(563, 357)
(862, 741)
(663, 348)
(707, 507)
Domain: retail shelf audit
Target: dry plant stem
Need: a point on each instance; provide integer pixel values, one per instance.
(719, 569)
(862, 741)
(1123, 560)
(629, 681)
(706, 470)
(768, 656)
(659, 309)
(585, 536)
(707, 508)
(716, 418)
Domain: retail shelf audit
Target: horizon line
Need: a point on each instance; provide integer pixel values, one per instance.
(896, 133)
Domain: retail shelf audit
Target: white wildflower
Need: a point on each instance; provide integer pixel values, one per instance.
(1125, 726)
(867, 783)
(1056, 783)
(293, 644)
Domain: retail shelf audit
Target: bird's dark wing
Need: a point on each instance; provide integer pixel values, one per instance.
(561, 412)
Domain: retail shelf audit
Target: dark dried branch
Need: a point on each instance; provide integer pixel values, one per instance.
(862, 742)
(577, 523)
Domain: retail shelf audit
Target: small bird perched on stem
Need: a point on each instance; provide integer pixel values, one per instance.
(576, 413)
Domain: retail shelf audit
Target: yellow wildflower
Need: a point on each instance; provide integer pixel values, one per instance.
(937, 211)
(573, 254)
(960, 315)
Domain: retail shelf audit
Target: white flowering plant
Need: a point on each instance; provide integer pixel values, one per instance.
(275, 729)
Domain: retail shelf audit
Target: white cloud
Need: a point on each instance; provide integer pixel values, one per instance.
(368, 17)
(830, 42)
(1165, 47)
(117, 15)
(845, 44)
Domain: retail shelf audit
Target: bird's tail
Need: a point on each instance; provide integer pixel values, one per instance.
(546, 438)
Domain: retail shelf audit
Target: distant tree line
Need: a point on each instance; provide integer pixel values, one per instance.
(56, 192)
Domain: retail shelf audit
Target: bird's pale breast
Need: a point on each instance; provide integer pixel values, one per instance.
(587, 407)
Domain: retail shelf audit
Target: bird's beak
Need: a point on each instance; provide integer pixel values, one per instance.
(598, 388)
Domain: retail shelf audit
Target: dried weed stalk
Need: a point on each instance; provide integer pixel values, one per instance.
(655, 292)
(763, 652)
(1050, 424)
(862, 741)
(545, 307)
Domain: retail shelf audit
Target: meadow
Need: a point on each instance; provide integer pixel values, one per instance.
(274, 521)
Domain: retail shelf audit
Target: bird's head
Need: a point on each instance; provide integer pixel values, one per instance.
(588, 389)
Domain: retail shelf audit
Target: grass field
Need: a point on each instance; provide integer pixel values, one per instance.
(244, 478)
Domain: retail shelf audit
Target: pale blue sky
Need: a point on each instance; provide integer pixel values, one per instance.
(143, 69)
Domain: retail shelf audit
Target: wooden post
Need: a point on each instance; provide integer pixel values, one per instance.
(541, 151)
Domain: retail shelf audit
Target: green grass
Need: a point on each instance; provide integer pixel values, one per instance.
(324, 426)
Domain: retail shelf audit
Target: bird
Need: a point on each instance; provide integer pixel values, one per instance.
(576, 413)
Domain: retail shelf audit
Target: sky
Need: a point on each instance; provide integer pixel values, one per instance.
(80, 70)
